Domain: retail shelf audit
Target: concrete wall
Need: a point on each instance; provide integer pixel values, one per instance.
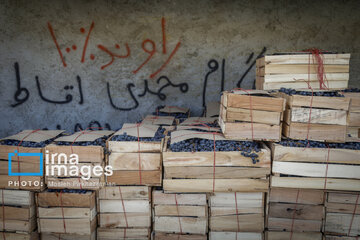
(220, 37)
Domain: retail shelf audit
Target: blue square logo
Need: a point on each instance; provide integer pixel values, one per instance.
(40, 155)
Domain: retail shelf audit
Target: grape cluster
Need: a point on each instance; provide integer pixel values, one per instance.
(69, 191)
(291, 92)
(247, 148)
(97, 142)
(26, 143)
(176, 115)
(316, 144)
(127, 138)
(352, 90)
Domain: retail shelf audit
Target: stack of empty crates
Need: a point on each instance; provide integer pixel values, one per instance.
(21, 178)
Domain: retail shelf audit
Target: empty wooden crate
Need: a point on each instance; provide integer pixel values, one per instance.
(67, 214)
(251, 115)
(124, 212)
(294, 70)
(236, 216)
(295, 212)
(180, 213)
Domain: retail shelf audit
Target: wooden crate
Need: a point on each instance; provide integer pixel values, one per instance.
(89, 156)
(24, 164)
(308, 217)
(17, 213)
(243, 216)
(312, 168)
(353, 126)
(194, 171)
(328, 117)
(342, 214)
(70, 214)
(294, 70)
(125, 157)
(270, 235)
(180, 213)
(251, 117)
(172, 236)
(124, 212)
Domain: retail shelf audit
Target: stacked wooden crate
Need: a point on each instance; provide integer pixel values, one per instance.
(236, 216)
(353, 126)
(294, 70)
(295, 214)
(124, 212)
(89, 147)
(329, 166)
(214, 171)
(180, 216)
(18, 215)
(66, 215)
(313, 117)
(251, 115)
(135, 155)
(25, 142)
(342, 216)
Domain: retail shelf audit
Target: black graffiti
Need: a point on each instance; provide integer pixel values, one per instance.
(213, 66)
(80, 90)
(129, 87)
(19, 90)
(251, 66)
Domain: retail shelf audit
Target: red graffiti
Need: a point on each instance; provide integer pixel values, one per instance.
(113, 55)
(150, 52)
(166, 62)
(86, 42)
(56, 43)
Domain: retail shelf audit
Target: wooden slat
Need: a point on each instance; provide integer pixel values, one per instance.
(122, 233)
(6, 149)
(220, 172)
(169, 236)
(349, 198)
(341, 84)
(304, 59)
(317, 170)
(301, 196)
(85, 153)
(301, 69)
(235, 235)
(316, 183)
(17, 213)
(130, 161)
(244, 115)
(52, 199)
(18, 225)
(247, 222)
(221, 211)
(17, 197)
(302, 211)
(116, 206)
(75, 226)
(342, 208)
(149, 178)
(337, 103)
(19, 236)
(245, 200)
(182, 199)
(321, 116)
(127, 192)
(188, 224)
(354, 119)
(118, 146)
(270, 235)
(340, 224)
(298, 225)
(63, 236)
(221, 185)
(304, 77)
(173, 210)
(117, 220)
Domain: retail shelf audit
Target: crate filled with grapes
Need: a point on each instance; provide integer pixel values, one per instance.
(77, 161)
(198, 161)
(317, 115)
(22, 159)
(135, 155)
(316, 165)
(251, 115)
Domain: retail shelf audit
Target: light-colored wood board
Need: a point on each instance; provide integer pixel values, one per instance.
(343, 208)
(316, 183)
(18, 225)
(270, 235)
(342, 197)
(62, 236)
(221, 185)
(160, 198)
(74, 226)
(116, 206)
(246, 115)
(341, 84)
(305, 58)
(19, 236)
(6, 149)
(235, 235)
(123, 233)
(118, 146)
(54, 199)
(188, 225)
(220, 172)
(318, 115)
(298, 225)
(354, 119)
(317, 170)
(301, 69)
(243, 199)
(171, 236)
(149, 178)
(117, 220)
(17, 197)
(338, 223)
(66, 212)
(186, 211)
(289, 195)
(85, 153)
(242, 222)
(130, 161)
(223, 211)
(127, 192)
(301, 77)
(17, 213)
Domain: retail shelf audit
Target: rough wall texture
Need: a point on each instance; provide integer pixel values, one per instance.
(213, 40)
